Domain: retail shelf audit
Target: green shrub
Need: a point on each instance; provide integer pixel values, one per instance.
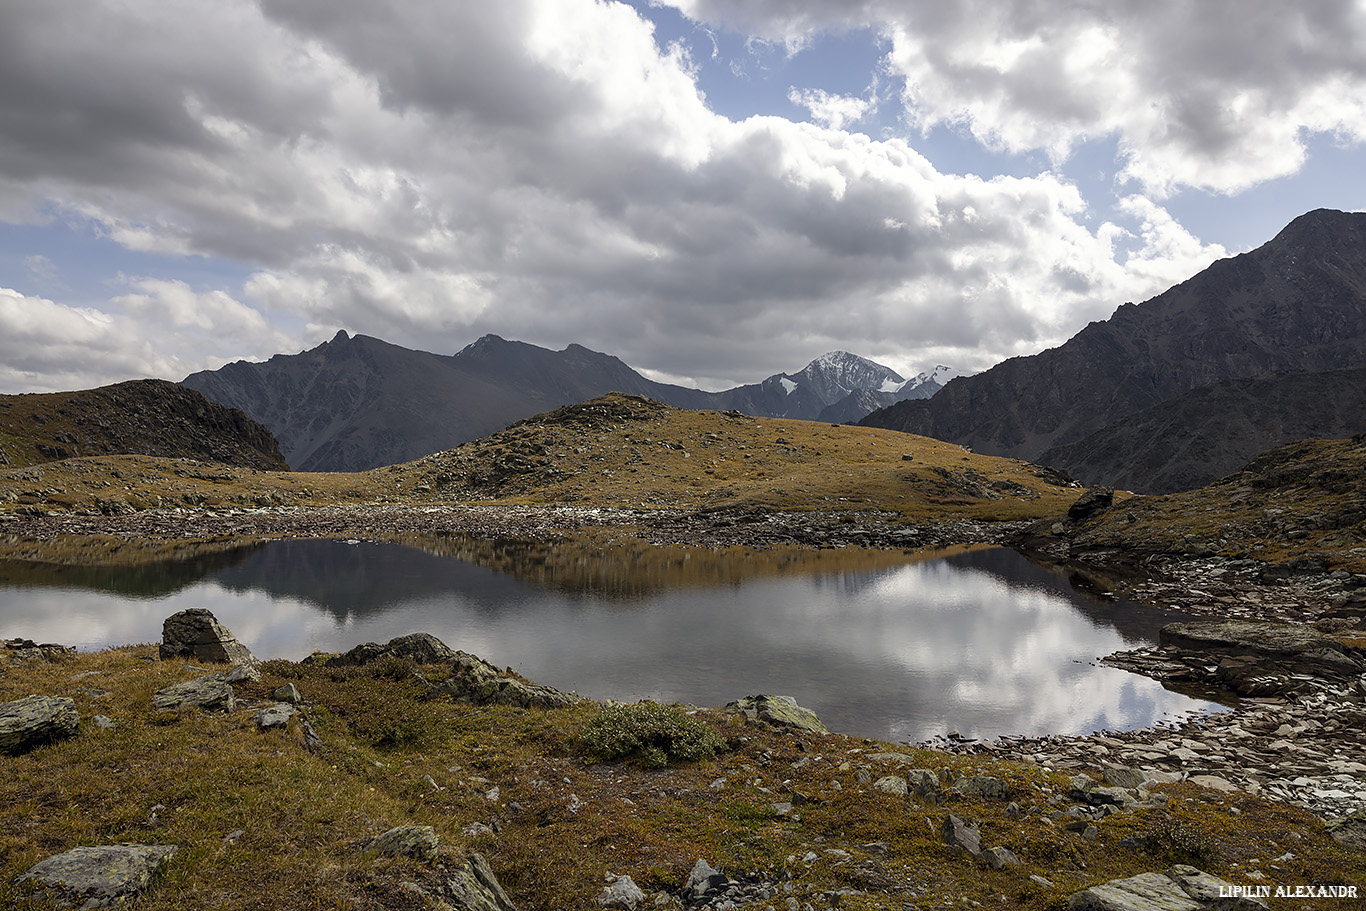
(1179, 842)
(650, 735)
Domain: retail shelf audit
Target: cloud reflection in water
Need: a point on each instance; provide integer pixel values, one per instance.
(981, 643)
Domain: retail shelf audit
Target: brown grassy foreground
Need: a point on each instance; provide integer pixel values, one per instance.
(305, 817)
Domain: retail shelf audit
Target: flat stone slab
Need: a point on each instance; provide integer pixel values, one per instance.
(27, 723)
(475, 888)
(99, 877)
(211, 693)
(418, 842)
(1181, 888)
(1293, 645)
(274, 716)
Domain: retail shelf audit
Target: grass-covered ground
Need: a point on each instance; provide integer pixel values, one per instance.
(392, 756)
(617, 451)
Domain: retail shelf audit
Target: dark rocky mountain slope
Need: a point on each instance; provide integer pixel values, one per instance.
(1296, 303)
(355, 402)
(140, 417)
(1210, 432)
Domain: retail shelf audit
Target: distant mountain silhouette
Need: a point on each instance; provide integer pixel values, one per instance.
(357, 402)
(1297, 303)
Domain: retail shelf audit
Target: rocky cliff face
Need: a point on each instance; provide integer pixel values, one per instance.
(1295, 303)
(143, 417)
(1210, 432)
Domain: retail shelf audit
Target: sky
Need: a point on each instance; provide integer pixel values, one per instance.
(711, 190)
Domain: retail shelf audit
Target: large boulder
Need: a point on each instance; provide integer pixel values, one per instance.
(1091, 504)
(417, 842)
(420, 648)
(475, 680)
(195, 633)
(777, 710)
(28, 650)
(109, 876)
(27, 723)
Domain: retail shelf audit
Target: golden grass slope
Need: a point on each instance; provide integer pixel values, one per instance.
(627, 451)
(615, 451)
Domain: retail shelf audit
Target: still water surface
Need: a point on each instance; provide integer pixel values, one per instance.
(983, 643)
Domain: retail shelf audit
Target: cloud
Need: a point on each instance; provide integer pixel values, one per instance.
(832, 111)
(1214, 95)
(542, 169)
(162, 329)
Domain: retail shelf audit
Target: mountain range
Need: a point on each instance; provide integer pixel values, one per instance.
(356, 402)
(1296, 304)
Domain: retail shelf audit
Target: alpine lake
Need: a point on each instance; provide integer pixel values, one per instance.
(897, 647)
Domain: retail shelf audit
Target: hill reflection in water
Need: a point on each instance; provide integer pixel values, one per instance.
(981, 642)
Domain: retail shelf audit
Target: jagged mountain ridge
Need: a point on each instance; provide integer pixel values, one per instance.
(356, 402)
(1211, 432)
(142, 417)
(1296, 303)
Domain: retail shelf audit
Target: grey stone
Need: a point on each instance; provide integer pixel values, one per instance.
(474, 887)
(28, 650)
(1211, 890)
(1091, 504)
(477, 681)
(1269, 646)
(958, 834)
(1350, 831)
(420, 648)
(987, 786)
(999, 858)
(621, 893)
(1181, 888)
(924, 784)
(891, 784)
(35, 720)
(196, 633)
(109, 876)
(777, 710)
(210, 693)
(248, 671)
(274, 716)
(104, 722)
(417, 842)
(1124, 777)
(703, 878)
(1144, 892)
(289, 693)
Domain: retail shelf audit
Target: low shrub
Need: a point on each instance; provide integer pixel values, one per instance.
(649, 735)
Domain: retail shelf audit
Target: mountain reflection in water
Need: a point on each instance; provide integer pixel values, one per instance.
(981, 641)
